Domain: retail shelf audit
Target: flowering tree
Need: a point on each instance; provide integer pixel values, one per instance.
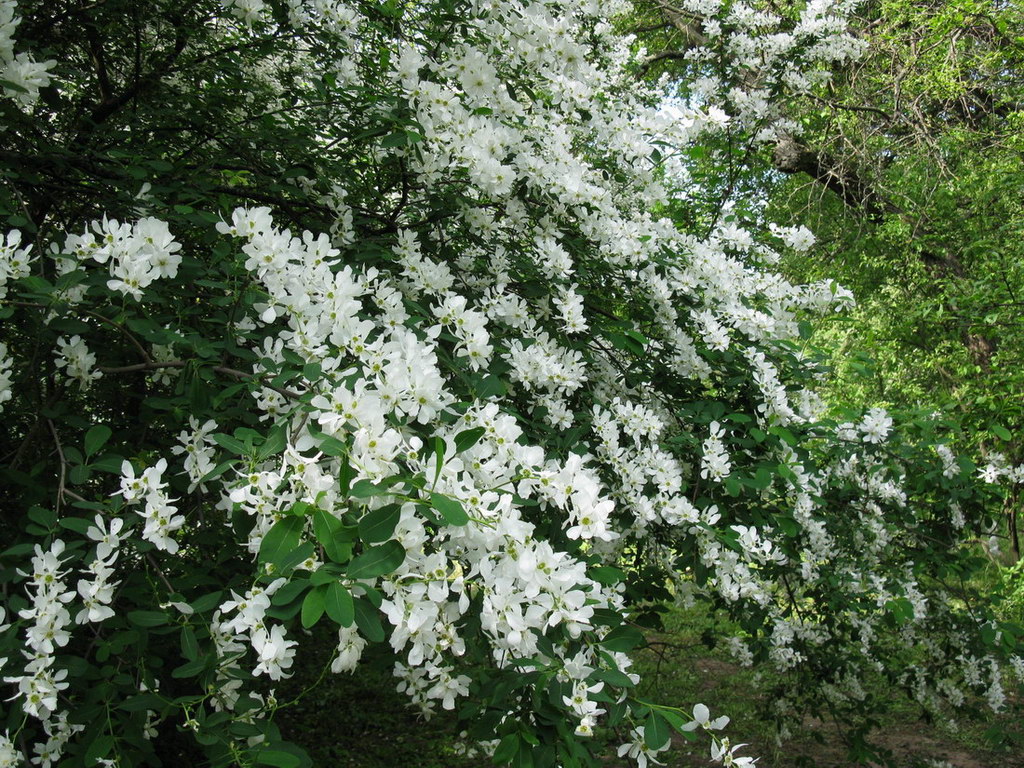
(362, 314)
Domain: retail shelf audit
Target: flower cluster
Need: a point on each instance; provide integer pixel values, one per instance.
(14, 261)
(999, 469)
(160, 514)
(76, 361)
(137, 253)
(6, 365)
(23, 75)
(198, 448)
(40, 684)
(97, 593)
(875, 426)
(714, 464)
(274, 651)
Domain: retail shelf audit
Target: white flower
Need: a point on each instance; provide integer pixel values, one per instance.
(77, 361)
(715, 463)
(6, 365)
(702, 718)
(10, 757)
(638, 750)
(14, 261)
(875, 426)
(108, 539)
(350, 648)
(274, 651)
(722, 752)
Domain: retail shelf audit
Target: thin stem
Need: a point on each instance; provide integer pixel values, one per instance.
(63, 465)
(152, 365)
(156, 566)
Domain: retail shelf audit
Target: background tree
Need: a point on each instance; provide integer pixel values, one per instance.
(906, 166)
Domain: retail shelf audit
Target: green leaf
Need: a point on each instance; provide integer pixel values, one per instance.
(325, 574)
(656, 731)
(301, 553)
(299, 509)
(313, 606)
(333, 535)
(191, 668)
(17, 550)
(324, 525)
(606, 575)
(524, 757)
(189, 644)
(625, 343)
(141, 702)
(332, 446)
(789, 526)
(368, 620)
(207, 602)
(623, 638)
(379, 524)
(438, 448)
(147, 618)
(364, 489)
(402, 138)
(99, 749)
(229, 443)
(47, 518)
(96, 438)
(468, 438)
(489, 386)
(507, 748)
(613, 677)
(346, 474)
(732, 485)
(678, 722)
(289, 592)
(76, 524)
(10, 85)
(281, 540)
(339, 604)
(761, 479)
(1001, 432)
(278, 759)
(275, 443)
(219, 470)
(451, 509)
(377, 561)
(784, 434)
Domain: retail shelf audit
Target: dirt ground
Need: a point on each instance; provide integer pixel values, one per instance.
(911, 744)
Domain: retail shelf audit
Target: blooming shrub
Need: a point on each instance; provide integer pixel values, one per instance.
(419, 361)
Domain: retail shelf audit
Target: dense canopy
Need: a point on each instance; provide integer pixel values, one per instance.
(409, 318)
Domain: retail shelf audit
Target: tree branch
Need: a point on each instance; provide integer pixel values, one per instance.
(152, 365)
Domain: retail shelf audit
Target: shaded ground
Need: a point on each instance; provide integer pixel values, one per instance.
(360, 721)
(820, 743)
(679, 671)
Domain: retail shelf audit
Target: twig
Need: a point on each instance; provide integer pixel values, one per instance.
(124, 331)
(152, 561)
(852, 107)
(63, 465)
(147, 366)
(234, 372)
